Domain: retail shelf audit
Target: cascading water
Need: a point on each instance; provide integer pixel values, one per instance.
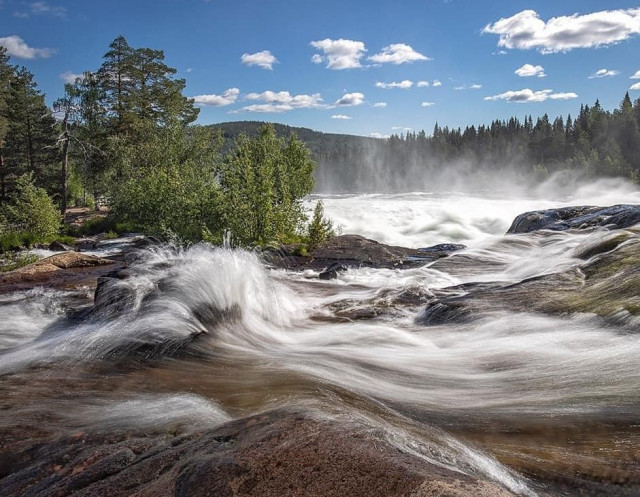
(203, 335)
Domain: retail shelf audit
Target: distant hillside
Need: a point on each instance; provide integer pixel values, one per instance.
(344, 162)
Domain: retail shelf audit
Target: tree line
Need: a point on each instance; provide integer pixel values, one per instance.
(125, 135)
(596, 143)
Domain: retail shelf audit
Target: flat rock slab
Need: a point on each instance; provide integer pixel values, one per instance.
(273, 454)
(58, 271)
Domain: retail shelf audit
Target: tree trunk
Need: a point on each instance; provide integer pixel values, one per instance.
(63, 173)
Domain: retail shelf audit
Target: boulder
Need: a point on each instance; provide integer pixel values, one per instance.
(332, 270)
(617, 216)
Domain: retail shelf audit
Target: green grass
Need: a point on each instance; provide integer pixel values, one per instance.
(9, 262)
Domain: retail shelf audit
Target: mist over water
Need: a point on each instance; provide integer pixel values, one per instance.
(463, 215)
(211, 335)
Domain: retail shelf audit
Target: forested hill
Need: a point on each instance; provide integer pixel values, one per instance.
(344, 162)
(595, 143)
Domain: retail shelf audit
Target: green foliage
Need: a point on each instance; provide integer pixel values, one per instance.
(168, 183)
(320, 228)
(9, 262)
(32, 211)
(263, 182)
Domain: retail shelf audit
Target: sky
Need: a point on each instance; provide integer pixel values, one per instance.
(363, 67)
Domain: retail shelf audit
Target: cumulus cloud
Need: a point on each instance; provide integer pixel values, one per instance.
(473, 86)
(282, 101)
(636, 75)
(403, 85)
(16, 47)
(427, 104)
(422, 84)
(529, 70)
(339, 54)
(436, 83)
(525, 30)
(379, 136)
(604, 73)
(635, 86)
(397, 53)
(340, 116)
(70, 77)
(264, 59)
(527, 95)
(227, 98)
(380, 104)
(350, 99)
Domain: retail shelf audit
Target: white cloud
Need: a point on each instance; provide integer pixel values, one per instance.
(528, 95)
(528, 71)
(16, 47)
(189, 69)
(401, 128)
(525, 30)
(436, 83)
(282, 101)
(70, 77)
(349, 99)
(380, 104)
(45, 8)
(379, 136)
(604, 73)
(635, 86)
(636, 75)
(264, 59)
(317, 59)
(500, 52)
(227, 98)
(340, 116)
(422, 84)
(403, 85)
(427, 104)
(468, 87)
(397, 53)
(339, 54)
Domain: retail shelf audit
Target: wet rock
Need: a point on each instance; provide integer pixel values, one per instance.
(84, 244)
(605, 284)
(60, 247)
(278, 453)
(445, 248)
(331, 271)
(617, 216)
(358, 250)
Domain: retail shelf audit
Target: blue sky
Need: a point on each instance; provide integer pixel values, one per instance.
(358, 67)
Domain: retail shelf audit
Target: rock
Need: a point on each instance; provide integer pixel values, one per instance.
(446, 248)
(60, 247)
(617, 216)
(84, 244)
(59, 271)
(277, 453)
(605, 284)
(331, 271)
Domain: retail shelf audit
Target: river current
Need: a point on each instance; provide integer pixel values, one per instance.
(520, 398)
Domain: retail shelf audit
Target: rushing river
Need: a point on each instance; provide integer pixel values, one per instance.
(520, 398)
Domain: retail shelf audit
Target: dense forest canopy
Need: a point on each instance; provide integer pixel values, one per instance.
(124, 136)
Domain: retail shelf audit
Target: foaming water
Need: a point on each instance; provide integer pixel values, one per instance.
(423, 219)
